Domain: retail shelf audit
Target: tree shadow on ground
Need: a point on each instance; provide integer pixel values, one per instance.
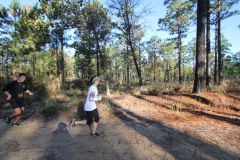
(235, 97)
(233, 121)
(234, 94)
(162, 105)
(227, 114)
(235, 109)
(234, 91)
(178, 144)
(199, 99)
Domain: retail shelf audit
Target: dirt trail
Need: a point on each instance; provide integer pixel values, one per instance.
(135, 128)
(218, 132)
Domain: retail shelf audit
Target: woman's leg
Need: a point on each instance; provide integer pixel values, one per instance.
(82, 122)
(74, 122)
(89, 120)
(95, 123)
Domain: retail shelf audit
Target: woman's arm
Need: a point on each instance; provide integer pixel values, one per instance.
(94, 97)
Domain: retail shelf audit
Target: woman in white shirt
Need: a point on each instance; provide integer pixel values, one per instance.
(90, 108)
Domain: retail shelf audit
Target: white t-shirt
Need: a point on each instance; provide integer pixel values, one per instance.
(92, 97)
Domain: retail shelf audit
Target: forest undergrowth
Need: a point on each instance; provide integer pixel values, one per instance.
(221, 100)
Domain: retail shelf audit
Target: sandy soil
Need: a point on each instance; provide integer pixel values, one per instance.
(213, 118)
(136, 127)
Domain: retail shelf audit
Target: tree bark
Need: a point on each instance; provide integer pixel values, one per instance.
(130, 43)
(200, 48)
(154, 69)
(179, 56)
(208, 42)
(34, 59)
(98, 51)
(62, 59)
(220, 74)
(216, 55)
(128, 68)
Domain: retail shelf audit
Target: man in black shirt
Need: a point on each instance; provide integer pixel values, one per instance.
(15, 94)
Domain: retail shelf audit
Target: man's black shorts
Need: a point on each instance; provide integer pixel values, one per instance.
(17, 103)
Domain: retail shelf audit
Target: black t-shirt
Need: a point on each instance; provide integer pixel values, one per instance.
(16, 89)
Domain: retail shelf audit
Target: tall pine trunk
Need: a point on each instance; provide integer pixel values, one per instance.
(131, 45)
(208, 42)
(179, 57)
(200, 48)
(216, 55)
(34, 59)
(98, 49)
(135, 60)
(220, 74)
(128, 67)
(62, 70)
(154, 67)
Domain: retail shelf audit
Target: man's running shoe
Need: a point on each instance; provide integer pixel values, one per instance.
(96, 134)
(72, 123)
(16, 124)
(8, 120)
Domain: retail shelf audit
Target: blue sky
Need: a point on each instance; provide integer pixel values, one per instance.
(229, 26)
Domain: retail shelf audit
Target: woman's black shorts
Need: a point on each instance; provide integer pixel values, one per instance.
(92, 115)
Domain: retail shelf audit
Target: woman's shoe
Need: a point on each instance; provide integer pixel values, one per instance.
(72, 123)
(96, 134)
